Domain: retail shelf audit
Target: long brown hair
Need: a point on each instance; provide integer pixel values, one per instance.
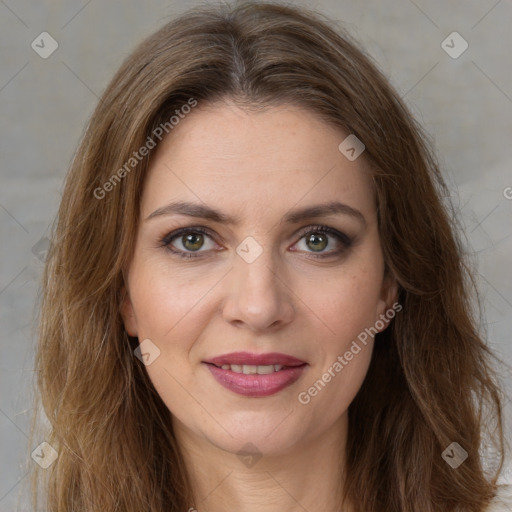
(430, 381)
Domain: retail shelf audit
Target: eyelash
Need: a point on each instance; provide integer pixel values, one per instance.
(326, 230)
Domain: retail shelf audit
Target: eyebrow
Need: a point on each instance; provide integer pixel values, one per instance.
(295, 216)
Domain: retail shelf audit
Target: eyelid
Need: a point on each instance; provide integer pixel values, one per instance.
(165, 242)
(344, 239)
(189, 229)
(320, 228)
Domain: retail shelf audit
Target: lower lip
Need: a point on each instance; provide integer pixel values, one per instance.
(256, 385)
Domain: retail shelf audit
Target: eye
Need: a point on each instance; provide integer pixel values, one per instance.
(186, 241)
(315, 239)
(193, 242)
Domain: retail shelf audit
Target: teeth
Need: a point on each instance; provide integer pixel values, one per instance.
(264, 370)
(252, 369)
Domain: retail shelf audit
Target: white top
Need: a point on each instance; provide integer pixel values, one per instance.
(503, 500)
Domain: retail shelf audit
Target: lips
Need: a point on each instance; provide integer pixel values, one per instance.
(249, 359)
(255, 375)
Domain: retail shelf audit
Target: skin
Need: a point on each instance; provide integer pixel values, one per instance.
(257, 165)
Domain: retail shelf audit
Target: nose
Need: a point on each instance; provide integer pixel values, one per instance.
(258, 296)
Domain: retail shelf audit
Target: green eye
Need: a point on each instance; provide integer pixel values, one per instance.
(192, 241)
(199, 242)
(317, 241)
(187, 241)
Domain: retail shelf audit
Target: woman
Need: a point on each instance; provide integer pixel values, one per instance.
(256, 298)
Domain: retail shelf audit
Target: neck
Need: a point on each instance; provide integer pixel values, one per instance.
(308, 476)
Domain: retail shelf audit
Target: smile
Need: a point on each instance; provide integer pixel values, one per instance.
(256, 381)
(252, 370)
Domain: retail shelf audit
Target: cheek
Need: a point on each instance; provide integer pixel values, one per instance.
(164, 302)
(171, 310)
(347, 308)
(344, 345)
(346, 303)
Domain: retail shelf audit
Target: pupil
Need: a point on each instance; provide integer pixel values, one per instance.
(318, 240)
(193, 241)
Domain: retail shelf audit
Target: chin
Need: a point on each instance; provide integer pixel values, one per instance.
(268, 433)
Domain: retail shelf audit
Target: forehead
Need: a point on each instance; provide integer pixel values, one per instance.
(225, 155)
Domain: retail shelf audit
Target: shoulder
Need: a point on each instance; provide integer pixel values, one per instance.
(502, 502)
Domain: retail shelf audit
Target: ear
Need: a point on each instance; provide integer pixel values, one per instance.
(388, 305)
(128, 313)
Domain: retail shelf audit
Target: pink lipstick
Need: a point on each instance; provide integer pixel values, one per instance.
(256, 375)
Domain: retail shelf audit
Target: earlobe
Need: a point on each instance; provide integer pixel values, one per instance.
(388, 303)
(128, 314)
(392, 293)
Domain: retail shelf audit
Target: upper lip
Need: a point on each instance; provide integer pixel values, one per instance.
(249, 358)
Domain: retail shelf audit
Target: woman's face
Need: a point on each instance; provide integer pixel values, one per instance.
(277, 256)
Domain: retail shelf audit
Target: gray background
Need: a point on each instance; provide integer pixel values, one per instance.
(465, 103)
